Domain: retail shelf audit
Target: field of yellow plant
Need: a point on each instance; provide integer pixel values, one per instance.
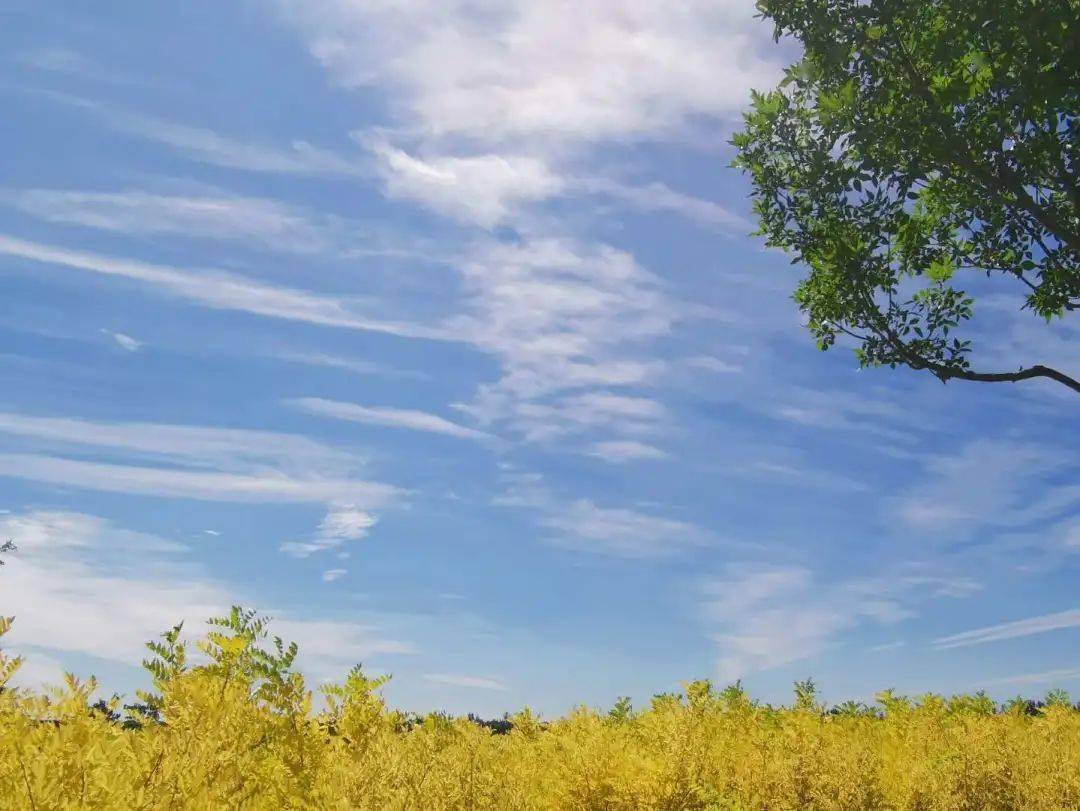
(240, 731)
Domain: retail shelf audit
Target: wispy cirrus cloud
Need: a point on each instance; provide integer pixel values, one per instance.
(581, 525)
(125, 342)
(568, 322)
(408, 419)
(62, 60)
(219, 216)
(769, 615)
(341, 524)
(459, 680)
(201, 463)
(221, 290)
(57, 59)
(208, 447)
(655, 196)
(584, 526)
(620, 451)
(991, 484)
(354, 365)
(1062, 675)
(207, 146)
(200, 485)
(1012, 630)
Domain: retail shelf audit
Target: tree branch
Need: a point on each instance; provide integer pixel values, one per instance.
(944, 373)
(1010, 377)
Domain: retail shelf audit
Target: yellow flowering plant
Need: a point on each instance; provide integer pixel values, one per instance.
(240, 729)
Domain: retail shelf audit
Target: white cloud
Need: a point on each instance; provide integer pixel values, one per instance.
(799, 475)
(887, 646)
(864, 413)
(1012, 630)
(767, 616)
(712, 364)
(82, 584)
(938, 586)
(216, 464)
(505, 69)
(1059, 676)
(230, 449)
(771, 616)
(991, 484)
(57, 59)
(267, 222)
(488, 188)
(207, 146)
(346, 523)
(655, 196)
(500, 98)
(359, 367)
(484, 189)
(625, 450)
(340, 524)
(567, 322)
(125, 342)
(458, 680)
(220, 290)
(576, 413)
(560, 317)
(390, 417)
(45, 532)
(330, 575)
(193, 484)
(583, 526)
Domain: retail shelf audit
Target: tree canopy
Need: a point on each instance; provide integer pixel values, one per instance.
(913, 145)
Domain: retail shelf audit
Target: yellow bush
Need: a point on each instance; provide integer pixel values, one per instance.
(240, 731)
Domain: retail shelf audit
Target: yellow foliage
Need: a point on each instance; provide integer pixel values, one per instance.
(241, 732)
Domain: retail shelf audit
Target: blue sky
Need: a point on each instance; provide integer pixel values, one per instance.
(434, 330)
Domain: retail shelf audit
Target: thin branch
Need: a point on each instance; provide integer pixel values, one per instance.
(944, 373)
(1011, 377)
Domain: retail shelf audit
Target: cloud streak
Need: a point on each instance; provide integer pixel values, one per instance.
(223, 448)
(232, 217)
(471, 682)
(1012, 630)
(194, 484)
(220, 290)
(767, 616)
(404, 418)
(583, 526)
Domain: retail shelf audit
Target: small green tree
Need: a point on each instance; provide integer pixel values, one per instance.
(915, 144)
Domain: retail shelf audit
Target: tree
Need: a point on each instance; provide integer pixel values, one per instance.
(5, 547)
(916, 144)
